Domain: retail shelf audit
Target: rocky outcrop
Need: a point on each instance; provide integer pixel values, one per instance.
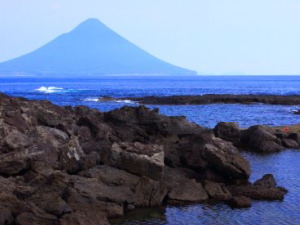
(64, 165)
(262, 139)
(217, 98)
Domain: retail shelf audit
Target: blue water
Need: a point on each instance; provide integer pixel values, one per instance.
(86, 91)
(284, 165)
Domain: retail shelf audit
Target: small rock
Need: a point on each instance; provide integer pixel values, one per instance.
(267, 181)
(217, 191)
(289, 143)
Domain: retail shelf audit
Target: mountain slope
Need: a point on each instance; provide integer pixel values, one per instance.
(91, 48)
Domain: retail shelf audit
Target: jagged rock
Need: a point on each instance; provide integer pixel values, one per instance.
(13, 163)
(182, 189)
(54, 136)
(263, 189)
(71, 156)
(217, 190)
(18, 122)
(51, 203)
(228, 131)
(16, 140)
(226, 159)
(149, 192)
(64, 165)
(137, 158)
(267, 181)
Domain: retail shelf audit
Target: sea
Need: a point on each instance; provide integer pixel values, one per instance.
(283, 165)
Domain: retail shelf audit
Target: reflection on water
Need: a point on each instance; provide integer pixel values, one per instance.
(284, 166)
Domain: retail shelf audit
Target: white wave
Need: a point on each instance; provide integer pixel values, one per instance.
(108, 100)
(125, 101)
(47, 90)
(91, 100)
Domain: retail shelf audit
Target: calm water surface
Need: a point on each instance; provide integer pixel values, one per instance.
(284, 165)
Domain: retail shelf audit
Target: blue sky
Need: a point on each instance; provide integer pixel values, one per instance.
(256, 37)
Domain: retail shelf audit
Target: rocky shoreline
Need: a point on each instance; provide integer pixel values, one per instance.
(79, 166)
(214, 98)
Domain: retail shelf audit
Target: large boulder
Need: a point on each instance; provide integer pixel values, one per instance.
(225, 158)
(228, 131)
(182, 189)
(261, 139)
(137, 158)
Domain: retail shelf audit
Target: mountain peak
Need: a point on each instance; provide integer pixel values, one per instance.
(91, 24)
(90, 48)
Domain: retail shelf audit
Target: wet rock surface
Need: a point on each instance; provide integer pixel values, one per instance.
(64, 165)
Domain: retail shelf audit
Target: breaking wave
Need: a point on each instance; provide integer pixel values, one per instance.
(91, 100)
(48, 90)
(126, 101)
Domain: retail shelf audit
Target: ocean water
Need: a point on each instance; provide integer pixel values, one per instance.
(284, 165)
(87, 91)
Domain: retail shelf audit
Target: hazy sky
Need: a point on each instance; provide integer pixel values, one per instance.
(209, 36)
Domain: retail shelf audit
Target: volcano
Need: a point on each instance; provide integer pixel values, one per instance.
(90, 49)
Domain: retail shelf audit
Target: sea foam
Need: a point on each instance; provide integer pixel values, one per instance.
(126, 101)
(48, 90)
(91, 100)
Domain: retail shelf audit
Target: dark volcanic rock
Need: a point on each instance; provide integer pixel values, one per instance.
(228, 131)
(182, 189)
(267, 181)
(64, 165)
(218, 98)
(263, 189)
(137, 158)
(5, 216)
(217, 190)
(295, 137)
(240, 202)
(289, 143)
(261, 139)
(225, 158)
